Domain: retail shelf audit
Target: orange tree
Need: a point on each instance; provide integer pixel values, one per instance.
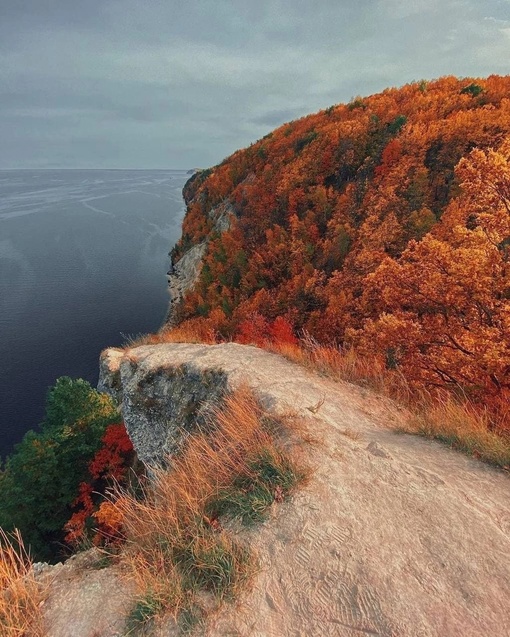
(442, 310)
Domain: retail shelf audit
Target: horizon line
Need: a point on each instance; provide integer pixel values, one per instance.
(97, 168)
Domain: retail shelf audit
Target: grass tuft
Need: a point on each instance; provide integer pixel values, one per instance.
(461, 427)
(212, 562)
(146, 608)
(190, 618)
(198, 332)
(176, 547)
(270, 477)
(21, 596)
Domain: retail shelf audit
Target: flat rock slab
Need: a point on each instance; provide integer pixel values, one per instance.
(393, 536)
(84, 600)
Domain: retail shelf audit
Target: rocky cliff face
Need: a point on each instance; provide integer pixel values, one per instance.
(183, 275)
(162, 398)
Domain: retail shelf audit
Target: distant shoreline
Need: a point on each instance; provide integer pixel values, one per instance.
(166, 170)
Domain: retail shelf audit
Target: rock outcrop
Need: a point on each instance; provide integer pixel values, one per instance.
(162, 400)
(221, 216)
(182, 277)
(393, 536)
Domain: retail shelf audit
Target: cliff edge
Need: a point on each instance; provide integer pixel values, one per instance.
(393, 536)
(183, 274)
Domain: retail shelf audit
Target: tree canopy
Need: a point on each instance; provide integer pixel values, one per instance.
(381, 224)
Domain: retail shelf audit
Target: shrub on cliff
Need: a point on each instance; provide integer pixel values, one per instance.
(40, 480)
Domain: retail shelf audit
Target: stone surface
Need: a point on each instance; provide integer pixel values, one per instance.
(84, 600)
(222, 215)
(109, 373)
(393, 536)
(182, 277)
(161, 404)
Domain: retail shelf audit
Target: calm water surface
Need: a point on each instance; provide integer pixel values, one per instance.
(83, 261)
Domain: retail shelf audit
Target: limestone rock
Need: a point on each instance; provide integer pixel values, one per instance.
(161, 401)
(109, 373)
(85, 600)
(183, 276)
(222, 215)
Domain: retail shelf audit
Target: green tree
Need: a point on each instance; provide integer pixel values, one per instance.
(41, 478)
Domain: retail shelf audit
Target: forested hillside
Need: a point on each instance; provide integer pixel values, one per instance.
(382, 224)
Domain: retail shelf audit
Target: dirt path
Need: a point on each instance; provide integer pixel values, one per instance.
(393, 536)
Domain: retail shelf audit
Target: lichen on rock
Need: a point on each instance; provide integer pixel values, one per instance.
(161, 404)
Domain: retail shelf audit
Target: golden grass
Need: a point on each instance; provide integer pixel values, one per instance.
(175, 544)
(345, 364)
(461, 426)
(21, 596)
(196, 332)
(441, 417)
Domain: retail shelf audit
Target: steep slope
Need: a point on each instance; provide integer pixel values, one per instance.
(382, 224)
(393, 535)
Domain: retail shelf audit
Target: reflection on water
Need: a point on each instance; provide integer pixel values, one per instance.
(83, 257)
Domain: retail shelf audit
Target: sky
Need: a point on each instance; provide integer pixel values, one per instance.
(167, 84)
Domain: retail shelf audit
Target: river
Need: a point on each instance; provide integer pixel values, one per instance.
(83, 261)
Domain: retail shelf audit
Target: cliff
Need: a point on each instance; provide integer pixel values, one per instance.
(381, 225)
(184, 274)
(393, 535)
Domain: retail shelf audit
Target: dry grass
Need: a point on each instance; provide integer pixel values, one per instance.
(21, 596)
(442, 417)
(345, 364)
(197, 332)
(462, 427)
(175, 544)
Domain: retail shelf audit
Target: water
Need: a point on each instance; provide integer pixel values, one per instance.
(83, 261)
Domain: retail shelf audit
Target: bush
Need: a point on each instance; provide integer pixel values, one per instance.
(308, 138)
(472, 89)
(40, 480)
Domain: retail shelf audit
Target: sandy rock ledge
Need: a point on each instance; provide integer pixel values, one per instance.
(394, 536)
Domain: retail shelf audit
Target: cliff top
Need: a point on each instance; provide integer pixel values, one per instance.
(393, 534)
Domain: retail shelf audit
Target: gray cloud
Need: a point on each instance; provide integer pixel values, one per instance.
(160, 83)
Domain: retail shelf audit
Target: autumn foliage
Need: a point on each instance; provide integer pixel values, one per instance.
(381, 225)
(94, 518)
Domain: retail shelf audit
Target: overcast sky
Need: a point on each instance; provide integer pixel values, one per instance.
(167, 84)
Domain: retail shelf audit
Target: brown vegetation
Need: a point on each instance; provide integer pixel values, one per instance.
(450, 418)
(175, 544)
(453, 420)
(381, 225)
(21, 596)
